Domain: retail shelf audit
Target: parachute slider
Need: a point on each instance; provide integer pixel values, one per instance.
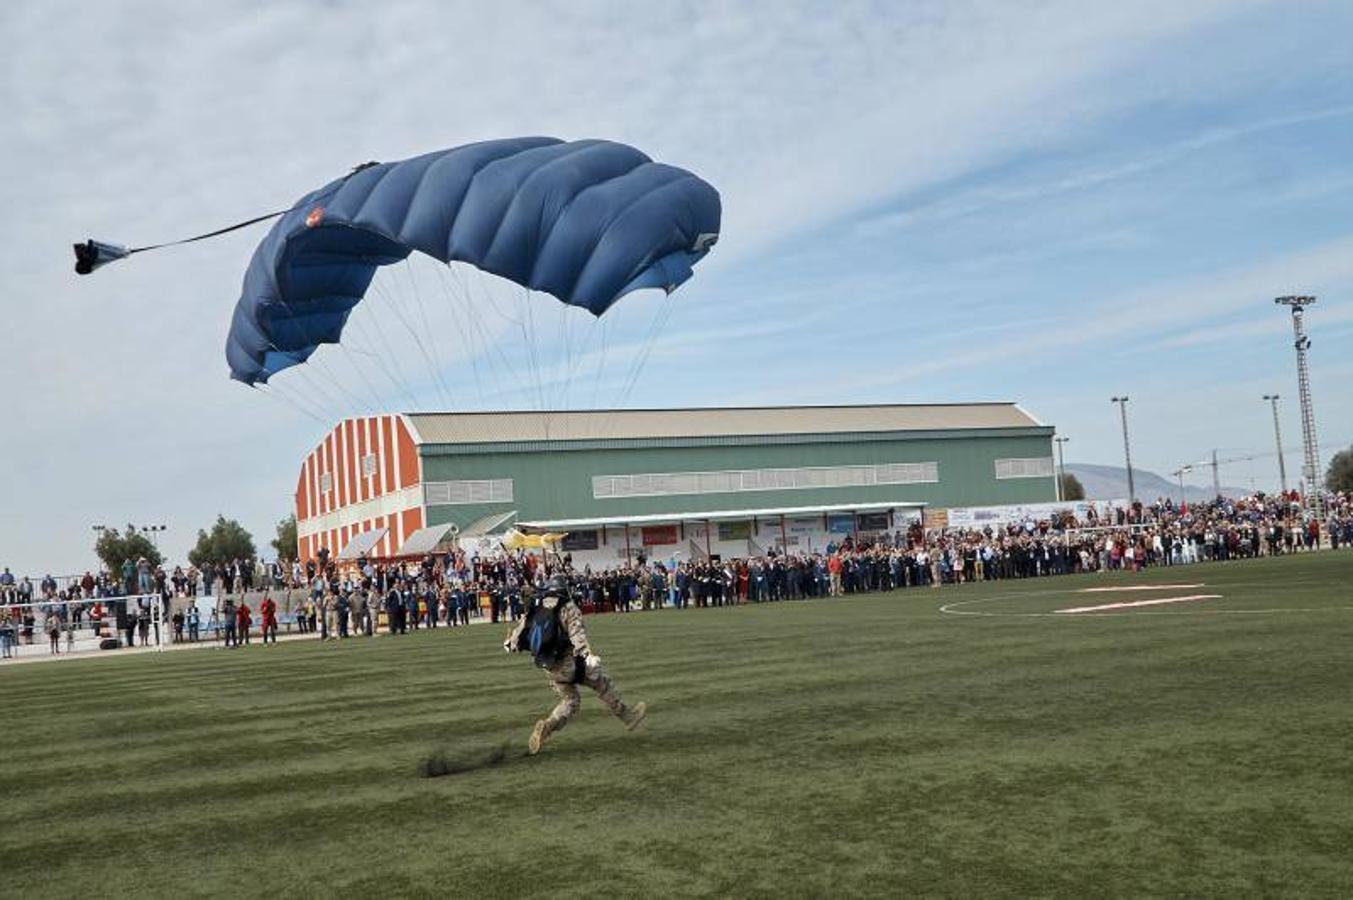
(92, 254)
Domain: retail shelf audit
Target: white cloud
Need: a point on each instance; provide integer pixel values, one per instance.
(145, 121)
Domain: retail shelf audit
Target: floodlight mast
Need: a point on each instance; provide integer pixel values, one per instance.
(1179, 473)
(1310, 470)
(1061, 468)
(1127, 451)
(1278, 441)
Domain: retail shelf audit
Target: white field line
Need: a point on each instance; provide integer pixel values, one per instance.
(1140, 587)
(1129, 604)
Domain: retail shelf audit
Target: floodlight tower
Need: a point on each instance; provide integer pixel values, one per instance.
(154, 532)
(1179, 473)
(1127, 451)
(1310, 470)
(1061, 466)
(1278, 441)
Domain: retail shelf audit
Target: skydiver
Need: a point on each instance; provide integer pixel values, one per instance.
(552, 632)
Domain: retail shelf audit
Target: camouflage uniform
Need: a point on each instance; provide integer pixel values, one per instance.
(578, 665)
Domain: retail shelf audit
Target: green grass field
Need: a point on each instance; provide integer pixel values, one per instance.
(871, 745)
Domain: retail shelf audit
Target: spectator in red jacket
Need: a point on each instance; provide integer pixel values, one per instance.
(243, 619)
(268, 609)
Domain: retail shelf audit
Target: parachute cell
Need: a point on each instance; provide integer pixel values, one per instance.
(584, 221)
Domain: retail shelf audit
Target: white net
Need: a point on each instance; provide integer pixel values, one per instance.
(68, 628)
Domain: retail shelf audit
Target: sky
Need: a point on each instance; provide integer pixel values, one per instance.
(1052, 203)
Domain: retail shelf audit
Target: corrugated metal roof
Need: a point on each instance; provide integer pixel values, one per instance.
(487, 524)
(424, 540)
(361, 544)
(638, 424)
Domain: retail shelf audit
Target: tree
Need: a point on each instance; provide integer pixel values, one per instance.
(227, 541)
(286, 543)
(1072, 489)
(114, 548)
(1339, 476)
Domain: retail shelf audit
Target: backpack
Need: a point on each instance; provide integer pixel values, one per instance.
(543, 636)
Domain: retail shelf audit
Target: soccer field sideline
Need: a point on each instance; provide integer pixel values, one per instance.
(870, 745)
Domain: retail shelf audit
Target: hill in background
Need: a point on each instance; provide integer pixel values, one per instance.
(1110, 483)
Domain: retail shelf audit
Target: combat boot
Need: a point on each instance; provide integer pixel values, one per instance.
(634, 715)
(538, 736)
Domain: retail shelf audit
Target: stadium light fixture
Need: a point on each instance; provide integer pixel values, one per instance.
(1179, 473)
(154, 532)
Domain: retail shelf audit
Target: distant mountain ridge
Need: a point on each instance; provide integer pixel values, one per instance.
(1110, 483)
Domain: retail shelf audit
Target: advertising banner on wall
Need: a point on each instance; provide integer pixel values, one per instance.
(579, 540)
(873, 521)
(656, 535)
(981, 516)
(735, 531)
(841, 524)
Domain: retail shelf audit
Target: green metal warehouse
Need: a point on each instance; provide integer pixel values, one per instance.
(666, 481)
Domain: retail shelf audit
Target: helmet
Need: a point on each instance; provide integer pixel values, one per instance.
(557, 586)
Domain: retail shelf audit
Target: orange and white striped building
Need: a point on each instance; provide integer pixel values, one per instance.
(366, 474)
(615, 480)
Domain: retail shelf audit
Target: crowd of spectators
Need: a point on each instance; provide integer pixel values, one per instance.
(449, 589)
(335, 601)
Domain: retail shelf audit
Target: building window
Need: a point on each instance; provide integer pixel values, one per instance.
(1038, 467)
(369, 464)
(326, 482)
(456, 493)
(605, 487)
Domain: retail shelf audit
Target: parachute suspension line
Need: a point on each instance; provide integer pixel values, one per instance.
(510, 371)
(294, 404)
(454, 293)
(438, 361)
(601, 364)
(564, 364)
(529, 338)
(324, 370)
(476, 332)
(322, 397)
(320, 400)
(406, 385)
(353, 353)
(335, 381)
(396, 307)
(451, 291)
(321, 392)
(577, 358)
(381, 362)
(529, 333)
(660, 318)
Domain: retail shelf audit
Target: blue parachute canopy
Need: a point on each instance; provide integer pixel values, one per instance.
(585, 221)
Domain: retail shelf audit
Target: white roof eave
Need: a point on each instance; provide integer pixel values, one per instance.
(720, 515)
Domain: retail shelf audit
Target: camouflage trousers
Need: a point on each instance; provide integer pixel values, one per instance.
(561, 681)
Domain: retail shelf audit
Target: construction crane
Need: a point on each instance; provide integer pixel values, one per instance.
(1216, 462)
